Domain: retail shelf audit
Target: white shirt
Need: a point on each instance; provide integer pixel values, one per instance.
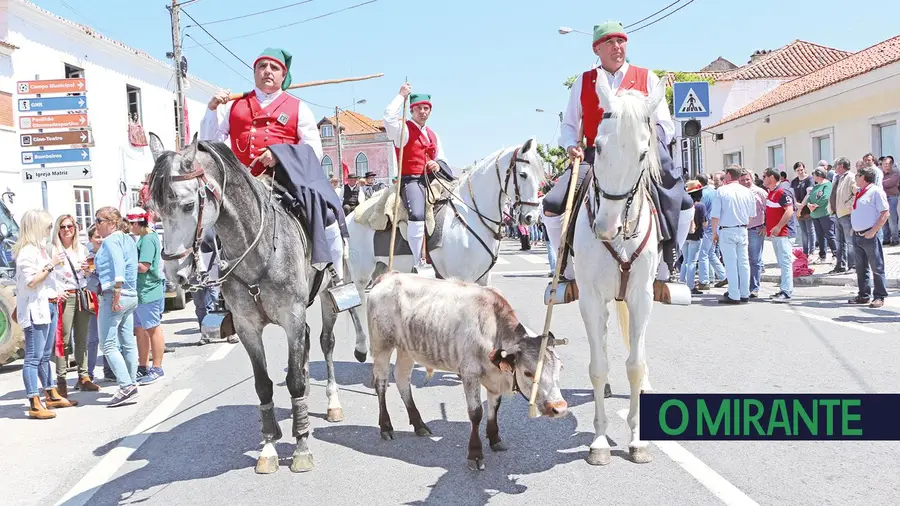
(393, 116)
(32, 304)
(63, 275)
(572, 119)
(215, 127)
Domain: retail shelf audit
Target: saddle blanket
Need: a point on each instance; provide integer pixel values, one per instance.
(377, 213)
(382, 240)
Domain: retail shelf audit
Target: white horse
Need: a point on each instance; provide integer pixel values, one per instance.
(617, 252)
(471, 229)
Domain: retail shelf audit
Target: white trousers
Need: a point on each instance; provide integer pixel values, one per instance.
(415, 230)
(336, 247)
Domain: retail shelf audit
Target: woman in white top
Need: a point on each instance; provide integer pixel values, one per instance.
(70, 278)
(36, 309)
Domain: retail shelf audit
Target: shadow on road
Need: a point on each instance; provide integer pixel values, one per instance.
(536, 446)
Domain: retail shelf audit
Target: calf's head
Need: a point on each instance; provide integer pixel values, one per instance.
(521, 358)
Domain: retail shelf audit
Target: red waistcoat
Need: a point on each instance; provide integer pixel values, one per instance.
(635, 79)
(253, 128)
(421, 147)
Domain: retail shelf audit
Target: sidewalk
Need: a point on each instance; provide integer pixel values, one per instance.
(773, 273)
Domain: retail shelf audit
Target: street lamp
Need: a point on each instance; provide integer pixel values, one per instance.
(563, 30)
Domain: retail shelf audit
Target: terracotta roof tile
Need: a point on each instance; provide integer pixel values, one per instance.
(793, 60)
(866, 60)
(7, 45)
(354, 123)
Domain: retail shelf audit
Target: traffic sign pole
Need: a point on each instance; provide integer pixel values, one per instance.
(44, 197)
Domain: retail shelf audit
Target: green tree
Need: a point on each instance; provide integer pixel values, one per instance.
(558, 160)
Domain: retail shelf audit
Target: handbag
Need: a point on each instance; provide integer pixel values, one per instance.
(81, 294)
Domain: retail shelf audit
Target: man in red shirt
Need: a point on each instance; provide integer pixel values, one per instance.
(780, 228)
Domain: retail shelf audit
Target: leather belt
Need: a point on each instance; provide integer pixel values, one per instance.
(735, 226)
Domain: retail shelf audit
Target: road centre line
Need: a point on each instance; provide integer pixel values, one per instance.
(713, 481)
(519, 273)
(222, 352)
(101, 473)
(849, 325)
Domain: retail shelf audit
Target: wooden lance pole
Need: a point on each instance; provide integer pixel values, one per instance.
(397, 195)
(236, 96)
(567, 218)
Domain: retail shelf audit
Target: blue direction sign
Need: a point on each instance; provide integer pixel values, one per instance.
(691, 100)
(56, 156)
(52, 104)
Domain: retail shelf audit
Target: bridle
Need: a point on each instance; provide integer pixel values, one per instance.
(627, 196)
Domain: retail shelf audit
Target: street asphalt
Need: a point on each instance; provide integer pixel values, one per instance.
(194, 437)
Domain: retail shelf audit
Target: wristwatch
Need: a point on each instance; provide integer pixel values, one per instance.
(49, 268)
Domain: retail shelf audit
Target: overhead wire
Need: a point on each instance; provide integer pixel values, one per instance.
(657, 20)
(257, 13)
(650, 16)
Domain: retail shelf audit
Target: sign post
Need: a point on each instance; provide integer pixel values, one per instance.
(64, 113)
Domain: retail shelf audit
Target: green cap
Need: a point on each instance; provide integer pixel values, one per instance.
(419, 98)
(608, 30)
(281, 56)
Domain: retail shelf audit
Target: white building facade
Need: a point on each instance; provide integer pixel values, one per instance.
(123, 85)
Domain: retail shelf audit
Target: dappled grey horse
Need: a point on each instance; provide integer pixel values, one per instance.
(267, 277)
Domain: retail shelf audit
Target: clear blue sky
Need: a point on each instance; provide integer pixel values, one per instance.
(488, 64)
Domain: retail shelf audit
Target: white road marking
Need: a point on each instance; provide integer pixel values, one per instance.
(853, 326)
(520, 273)
(85, 489)
(713, 481)
(222, 352)
(502, 261)
(535, 259)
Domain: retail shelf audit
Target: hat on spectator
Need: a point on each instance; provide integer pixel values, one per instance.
(692, 186)
(137, 215)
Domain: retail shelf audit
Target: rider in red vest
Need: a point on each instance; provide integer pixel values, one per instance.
(422, 158)
(584, 111)
(268, 116)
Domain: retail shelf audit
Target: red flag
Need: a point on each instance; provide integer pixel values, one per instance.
(346, 171)
(60, 343)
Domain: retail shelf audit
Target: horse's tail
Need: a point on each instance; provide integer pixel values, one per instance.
(622, 311)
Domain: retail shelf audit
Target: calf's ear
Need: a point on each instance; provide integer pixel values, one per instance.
(504, 360)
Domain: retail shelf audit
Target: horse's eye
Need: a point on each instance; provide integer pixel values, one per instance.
(523, 175)
(529, 374)
(188, 208)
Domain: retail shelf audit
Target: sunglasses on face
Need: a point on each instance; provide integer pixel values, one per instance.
(66, 227)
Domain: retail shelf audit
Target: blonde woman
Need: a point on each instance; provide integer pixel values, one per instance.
(36, 306)
(71, 280)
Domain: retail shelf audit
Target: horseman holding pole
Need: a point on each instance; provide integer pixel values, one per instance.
(269, 116)
(579, 130)
(422, 157)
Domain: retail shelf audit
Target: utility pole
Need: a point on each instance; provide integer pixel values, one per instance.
(337, 135)
(45, 200)
(174, 10)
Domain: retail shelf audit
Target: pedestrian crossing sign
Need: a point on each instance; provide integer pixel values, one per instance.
(691, 100)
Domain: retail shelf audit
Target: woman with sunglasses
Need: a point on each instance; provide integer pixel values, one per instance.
(71, 279)
(36, 310)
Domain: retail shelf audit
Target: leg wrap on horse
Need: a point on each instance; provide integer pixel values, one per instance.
(270, 429)
(300, 410)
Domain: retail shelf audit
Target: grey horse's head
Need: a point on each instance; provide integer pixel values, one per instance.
(181, 185)
(525, 179)
(626, 150)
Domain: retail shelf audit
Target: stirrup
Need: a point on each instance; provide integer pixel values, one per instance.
(566, 292)
(676, 294)
(343, 296)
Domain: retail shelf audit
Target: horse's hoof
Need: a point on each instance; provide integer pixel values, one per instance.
(476, 464)
(598, 456)
(640, 454)
(423, 431)
(267, 465)
(335, 414)
(499, 446)
(302, 462)
(387, 435)
(607, 391)
(360, 356)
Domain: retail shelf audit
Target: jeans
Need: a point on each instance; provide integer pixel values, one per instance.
(74, 319)
(825, 235)
(117, 337)
(205, 302)
(691, 261)
(93, 346)
(894, 218)
(807, 236)
(708, 256)
(869, 255)
(734, 245)
(846, 242)
(755, 249)
(39, 344)
(551, 257)
(784, 254)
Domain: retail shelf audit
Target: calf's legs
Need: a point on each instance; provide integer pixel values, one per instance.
(493, 429)
(402, 371)
(473, 402)
(381, 370)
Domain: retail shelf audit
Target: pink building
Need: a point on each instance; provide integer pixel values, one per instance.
(364, 146)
